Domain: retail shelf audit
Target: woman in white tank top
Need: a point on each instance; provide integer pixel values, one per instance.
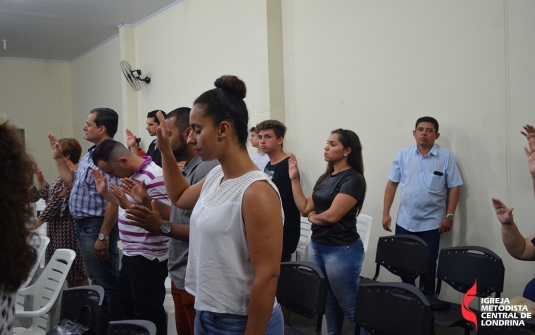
(236, 225)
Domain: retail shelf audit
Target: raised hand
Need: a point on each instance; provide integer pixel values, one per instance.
(530, 131)
(57, 152)
(130, 139)
(504, 214)
(162, 134)
(138, 192)
(148, 219)
(530, 153)
(39, 175)
(100, 181)
(293, 170)
(121, 197)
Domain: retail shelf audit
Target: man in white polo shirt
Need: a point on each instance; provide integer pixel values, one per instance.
(144, 263)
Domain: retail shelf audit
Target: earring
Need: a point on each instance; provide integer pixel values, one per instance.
(220, 138)
(345, 155)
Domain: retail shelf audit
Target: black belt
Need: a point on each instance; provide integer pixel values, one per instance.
(90, 219)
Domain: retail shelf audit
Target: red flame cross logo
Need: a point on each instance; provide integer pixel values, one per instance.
(468, 314)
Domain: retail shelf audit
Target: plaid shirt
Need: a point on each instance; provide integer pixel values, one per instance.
(85, 200)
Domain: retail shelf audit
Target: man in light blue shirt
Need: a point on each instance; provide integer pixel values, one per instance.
(430, 183)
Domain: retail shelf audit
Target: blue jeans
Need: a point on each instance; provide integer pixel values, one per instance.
(432, 238)
(341, 266)
(209, 323)
(105, 274)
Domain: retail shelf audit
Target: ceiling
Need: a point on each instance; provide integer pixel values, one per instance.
(64, 29)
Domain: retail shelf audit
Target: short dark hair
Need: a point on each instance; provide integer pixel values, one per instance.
(108, 118)
(253, 130)
(72, 148)
(225, 103)
(278, 127)
(181, 115)
(153, 115)
(108, 151)
(427, 119)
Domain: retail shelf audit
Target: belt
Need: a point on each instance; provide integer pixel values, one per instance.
(88, 220)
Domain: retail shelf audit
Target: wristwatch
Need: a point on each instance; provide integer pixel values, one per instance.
(450, 217)
(166, 228)
(103, 237)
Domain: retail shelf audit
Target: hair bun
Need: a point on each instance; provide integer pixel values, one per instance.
(232, 85)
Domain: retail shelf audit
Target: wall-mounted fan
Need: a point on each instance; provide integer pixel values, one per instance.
(133, 76)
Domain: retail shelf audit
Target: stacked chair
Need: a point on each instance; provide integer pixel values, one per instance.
(45, 292)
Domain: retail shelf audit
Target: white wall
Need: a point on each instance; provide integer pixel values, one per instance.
(36, 96)
(370, 66)
(376, 66)
(96, 82)
(187, 47)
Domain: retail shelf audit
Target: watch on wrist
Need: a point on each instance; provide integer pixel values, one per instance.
(166, 228)
(449, 217)
(103, 237)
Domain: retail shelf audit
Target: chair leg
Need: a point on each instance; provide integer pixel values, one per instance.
(467, 328)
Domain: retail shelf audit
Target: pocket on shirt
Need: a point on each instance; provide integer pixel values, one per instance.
(436, 183)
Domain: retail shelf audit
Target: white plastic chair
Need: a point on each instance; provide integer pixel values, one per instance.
(364, 228)
(45, 292)
(301, 253)
(39, 243)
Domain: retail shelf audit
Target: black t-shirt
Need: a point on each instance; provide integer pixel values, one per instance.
(278, 174)
(156, 155)
(343, 232)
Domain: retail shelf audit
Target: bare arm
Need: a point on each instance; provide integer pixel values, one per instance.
(530, 153)
(65, 173)
(131, 142)
(304, 205)
(40, 178)
(38, 222)
(177, 187)
(139, 193)
(101, 184)
(390, 193)
(516, 245)
(110, 220)
(453, 200)
(151, 220)
(341, 205)
(263, 226)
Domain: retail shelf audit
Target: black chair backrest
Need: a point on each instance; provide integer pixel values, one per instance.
(403, 255)
(73, 306)
(131, 327)
(302, 289)
(461, 266)
(393, 309)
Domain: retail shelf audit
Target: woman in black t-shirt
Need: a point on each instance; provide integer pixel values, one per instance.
(332, 209)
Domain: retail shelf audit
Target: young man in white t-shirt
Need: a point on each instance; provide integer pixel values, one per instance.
(260, 158)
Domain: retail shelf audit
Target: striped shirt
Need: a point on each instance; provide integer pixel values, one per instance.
(136, 240)
(85, 201)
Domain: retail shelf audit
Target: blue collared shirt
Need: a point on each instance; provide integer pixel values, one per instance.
(84, 200)
(424, 186)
